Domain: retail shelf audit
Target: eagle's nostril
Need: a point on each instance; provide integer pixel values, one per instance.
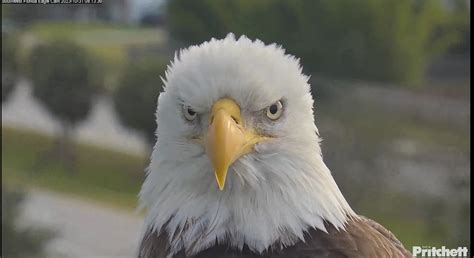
(235, 119)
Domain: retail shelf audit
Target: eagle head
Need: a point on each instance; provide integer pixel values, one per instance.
(238, 158)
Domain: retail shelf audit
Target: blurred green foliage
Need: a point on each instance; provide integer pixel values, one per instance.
(19, 242)
(137, 94)
(22, 14)
(359, 139)
(109, 44)
(62, 79)
(9, 64)
(390, 40)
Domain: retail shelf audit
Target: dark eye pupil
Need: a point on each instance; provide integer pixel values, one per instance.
(191, 112)
(273, 109)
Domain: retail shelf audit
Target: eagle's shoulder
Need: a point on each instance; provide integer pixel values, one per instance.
(385, 232)
(362, 237)
(153, 245)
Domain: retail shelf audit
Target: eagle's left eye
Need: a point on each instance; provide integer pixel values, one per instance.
(275, 110)
(189, 113)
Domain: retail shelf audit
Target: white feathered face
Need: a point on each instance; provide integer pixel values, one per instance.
(231, 103)
(236, 139)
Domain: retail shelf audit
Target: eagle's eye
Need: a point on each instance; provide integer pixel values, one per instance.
(275, 110)
(189, 113)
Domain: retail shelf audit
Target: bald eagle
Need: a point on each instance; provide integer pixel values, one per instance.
(240, 113)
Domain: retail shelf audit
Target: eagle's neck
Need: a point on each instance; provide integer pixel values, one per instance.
(265, 204)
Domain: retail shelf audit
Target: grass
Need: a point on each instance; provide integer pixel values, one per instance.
(103, 175)
(97, 34)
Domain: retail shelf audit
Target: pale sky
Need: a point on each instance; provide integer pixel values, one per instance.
(140, 6)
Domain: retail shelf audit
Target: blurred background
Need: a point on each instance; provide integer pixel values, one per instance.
(391, 81)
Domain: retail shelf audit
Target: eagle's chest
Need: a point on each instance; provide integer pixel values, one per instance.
(316, 245)
(223, 251)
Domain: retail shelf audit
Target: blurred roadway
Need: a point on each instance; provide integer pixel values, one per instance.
(83, 229)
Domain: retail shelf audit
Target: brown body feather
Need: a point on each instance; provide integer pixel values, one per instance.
(362, 238)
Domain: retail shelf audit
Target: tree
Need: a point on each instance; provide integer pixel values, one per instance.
(63, 81)
(23, 15)
(20, 242)
(9, 65)
(136, 96)
(390, 40)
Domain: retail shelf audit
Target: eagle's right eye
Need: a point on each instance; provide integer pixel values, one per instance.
(189, 113)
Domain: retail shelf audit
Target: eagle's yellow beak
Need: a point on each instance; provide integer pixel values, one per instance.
(227, 138)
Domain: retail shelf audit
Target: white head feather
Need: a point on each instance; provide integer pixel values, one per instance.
(273, 194)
